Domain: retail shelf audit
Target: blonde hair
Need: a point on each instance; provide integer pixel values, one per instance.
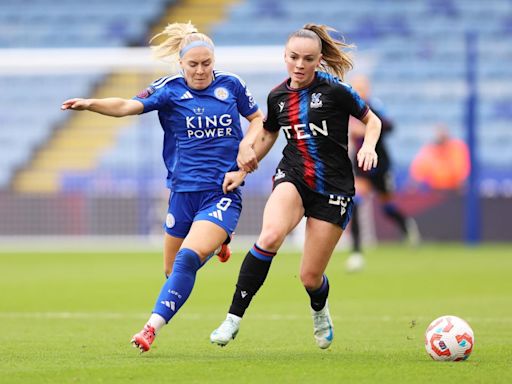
(334, 58)
(178, 36)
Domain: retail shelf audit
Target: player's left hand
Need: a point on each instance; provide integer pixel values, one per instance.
(233, 180)
(367, 158)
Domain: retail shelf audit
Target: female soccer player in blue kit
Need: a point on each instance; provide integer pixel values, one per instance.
(199, 110)
(314, 178)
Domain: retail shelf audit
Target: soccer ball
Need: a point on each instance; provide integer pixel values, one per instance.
(449, 338)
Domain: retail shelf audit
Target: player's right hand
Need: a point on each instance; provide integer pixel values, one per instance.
(367, 158)
(75, 104)
(246, 159)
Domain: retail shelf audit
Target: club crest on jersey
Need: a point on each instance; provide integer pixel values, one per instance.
(144, 94)
(315, 100)
(221, 93)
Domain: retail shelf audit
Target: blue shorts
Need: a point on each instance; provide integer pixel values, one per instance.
(215, 206)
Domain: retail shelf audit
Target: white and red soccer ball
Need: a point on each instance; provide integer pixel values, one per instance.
(449, 338)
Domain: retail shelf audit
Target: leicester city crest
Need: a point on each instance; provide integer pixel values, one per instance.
(221, 93)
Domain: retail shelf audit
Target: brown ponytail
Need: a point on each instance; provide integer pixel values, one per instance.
(334, 59)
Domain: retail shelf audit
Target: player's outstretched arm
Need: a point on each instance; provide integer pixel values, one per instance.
(367, 157)
(111, 106)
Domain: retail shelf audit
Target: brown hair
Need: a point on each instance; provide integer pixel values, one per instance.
(334, 59)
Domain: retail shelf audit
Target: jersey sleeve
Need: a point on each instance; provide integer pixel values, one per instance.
(349, 98)
(270, 123)
(152, 98)
(245, 102)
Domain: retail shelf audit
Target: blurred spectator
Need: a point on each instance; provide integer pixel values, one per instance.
(443, 164)
(379, 179)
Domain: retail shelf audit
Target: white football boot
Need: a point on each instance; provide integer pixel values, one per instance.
(227, 331)
(322, 326)
(413, 234)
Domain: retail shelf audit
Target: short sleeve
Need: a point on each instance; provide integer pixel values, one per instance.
(245, 102)
(270, 123)
(152, 98)
(355, 105)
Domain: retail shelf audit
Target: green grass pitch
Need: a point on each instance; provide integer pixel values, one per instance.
(68, 318)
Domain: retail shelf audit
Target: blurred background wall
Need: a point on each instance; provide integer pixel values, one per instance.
(82, 174)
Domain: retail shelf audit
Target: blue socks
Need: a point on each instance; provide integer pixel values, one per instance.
(318, 297)
(178, 286)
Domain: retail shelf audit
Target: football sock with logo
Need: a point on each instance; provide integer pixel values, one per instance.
(253, 273)
(202, 265)
(178, 286)
(391, 211)
(318, 297)
(356, 234)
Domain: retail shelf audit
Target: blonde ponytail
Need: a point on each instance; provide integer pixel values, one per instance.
(178, 36)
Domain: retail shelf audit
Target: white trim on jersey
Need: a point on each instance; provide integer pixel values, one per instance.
(223, 73)
(164, 80)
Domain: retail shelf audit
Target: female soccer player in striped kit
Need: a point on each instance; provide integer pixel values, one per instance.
(199, 110)
(314, 178)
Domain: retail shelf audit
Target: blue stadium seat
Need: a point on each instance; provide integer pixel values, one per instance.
(416, 49)
(34, 112)
(418, 60)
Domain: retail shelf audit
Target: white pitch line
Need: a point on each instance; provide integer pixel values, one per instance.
(197, 316)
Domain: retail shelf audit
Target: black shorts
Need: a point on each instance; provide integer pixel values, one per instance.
(334, 209)
(382, 181)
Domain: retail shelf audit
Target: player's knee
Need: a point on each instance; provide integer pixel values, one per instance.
(271, 238)
(311, 280)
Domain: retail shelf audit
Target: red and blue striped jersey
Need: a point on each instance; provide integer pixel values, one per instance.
(314, 120)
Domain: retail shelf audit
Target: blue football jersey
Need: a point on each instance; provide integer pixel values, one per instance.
(201, 127)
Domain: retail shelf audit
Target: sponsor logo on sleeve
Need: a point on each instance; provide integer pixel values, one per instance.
(145, 93)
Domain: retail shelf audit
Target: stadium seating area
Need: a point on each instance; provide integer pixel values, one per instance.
(414, 51)
(73, 23)
(32, 111)
(33, 101)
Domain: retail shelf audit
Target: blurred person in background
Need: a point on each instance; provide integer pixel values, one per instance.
(199, 110)
(379, 179)
(443, 164)
(314, 178)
